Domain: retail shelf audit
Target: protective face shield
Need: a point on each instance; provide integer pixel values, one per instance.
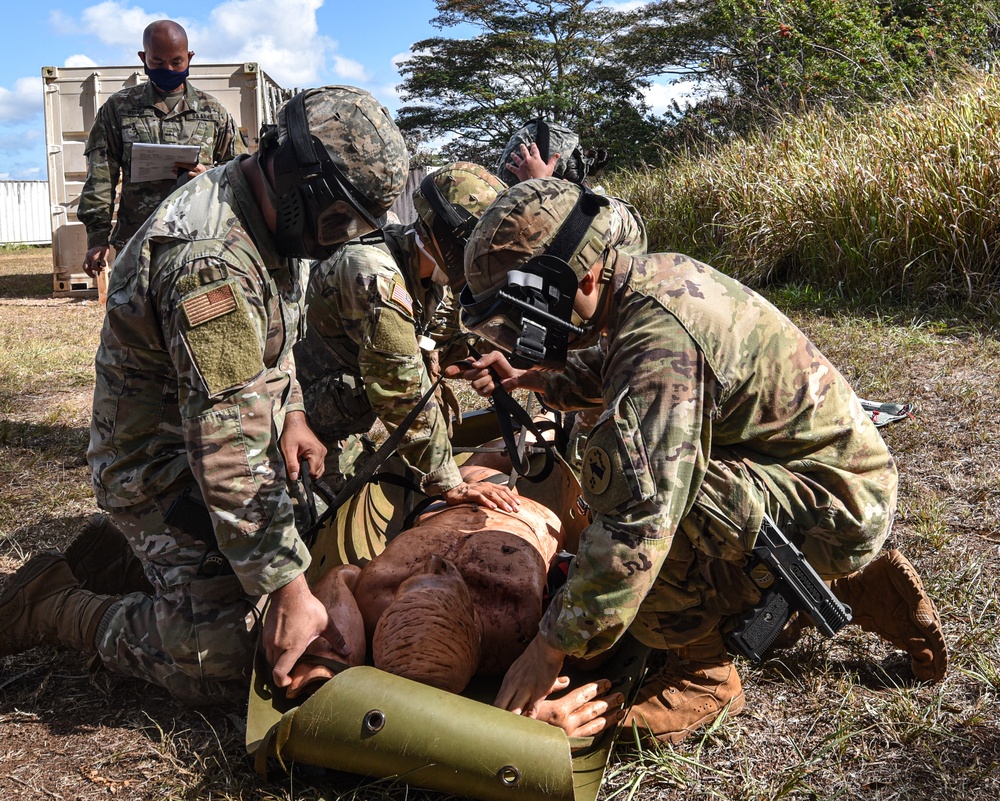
(317, 207)
(532, 317)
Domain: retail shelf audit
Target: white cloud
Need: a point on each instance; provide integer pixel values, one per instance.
(112, 23)
(350, 70)
(660, 96)
(388, 95)
(80, 60)
(628, 5)
(23, 103)
(281, 35)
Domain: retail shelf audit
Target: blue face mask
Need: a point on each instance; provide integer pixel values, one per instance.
(165, 79)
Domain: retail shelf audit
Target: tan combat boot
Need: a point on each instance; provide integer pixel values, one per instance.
(43, 603)
(103, 561)
(888, 598)
(698, 683)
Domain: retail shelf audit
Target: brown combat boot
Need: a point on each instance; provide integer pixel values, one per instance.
(888, 598)
(698, 683)
(103, 561)
(43, 603)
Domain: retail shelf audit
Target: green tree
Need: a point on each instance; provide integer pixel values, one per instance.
(577, 63)
(763, 57)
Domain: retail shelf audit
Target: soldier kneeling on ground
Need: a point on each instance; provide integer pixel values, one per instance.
(717, 411)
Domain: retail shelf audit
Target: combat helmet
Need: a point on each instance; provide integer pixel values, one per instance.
(339, 162)
(524, 263)
(448, 203)
(551, 137)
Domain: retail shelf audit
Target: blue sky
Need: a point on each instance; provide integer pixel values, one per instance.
(299, 43)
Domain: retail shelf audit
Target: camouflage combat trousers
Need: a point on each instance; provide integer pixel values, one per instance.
(703, 583)
(196, 635)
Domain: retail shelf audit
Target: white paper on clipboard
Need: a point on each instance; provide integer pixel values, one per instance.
(156, 162)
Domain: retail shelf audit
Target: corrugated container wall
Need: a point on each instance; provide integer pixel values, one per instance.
(24, 213)
(72, 97)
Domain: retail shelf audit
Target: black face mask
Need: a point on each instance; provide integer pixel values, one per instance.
(317, 208)
(165, 79)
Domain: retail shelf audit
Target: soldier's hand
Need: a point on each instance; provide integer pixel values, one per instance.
(96, 260)
(584, 711)
(294, 619)
(186, 171)
(479, 375)
(298, 443)
(485, 493)
(527, 162)
(530, 679)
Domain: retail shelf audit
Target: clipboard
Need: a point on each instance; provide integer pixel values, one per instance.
(152, 162)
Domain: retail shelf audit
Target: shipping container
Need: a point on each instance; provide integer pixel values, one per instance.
(73, 96)
(24, 213)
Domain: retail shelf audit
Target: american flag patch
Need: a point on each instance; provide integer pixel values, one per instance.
(401, 298)
(209, 305)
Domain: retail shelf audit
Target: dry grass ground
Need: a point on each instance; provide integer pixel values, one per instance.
(825, 720)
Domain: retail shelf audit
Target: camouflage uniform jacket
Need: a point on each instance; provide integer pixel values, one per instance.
(139, 114)
(695, 360)
(368, 310)
(195, 372)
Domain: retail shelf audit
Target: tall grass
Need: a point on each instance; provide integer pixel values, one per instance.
(898, 202)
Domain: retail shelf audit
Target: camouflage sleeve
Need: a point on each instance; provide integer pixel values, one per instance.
(644, 462)
(228, 142)
(215, 326)
(294, 401)
(452, 339)
(579, 385)
(396, 378)
(97, 198)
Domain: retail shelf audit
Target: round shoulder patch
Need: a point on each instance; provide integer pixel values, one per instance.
(596, 474)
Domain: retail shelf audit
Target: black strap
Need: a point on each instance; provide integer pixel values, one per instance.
(571, 232)
(506, 409)
(297, 128)
(542, 138)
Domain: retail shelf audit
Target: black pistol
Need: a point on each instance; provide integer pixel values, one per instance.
(787, 583)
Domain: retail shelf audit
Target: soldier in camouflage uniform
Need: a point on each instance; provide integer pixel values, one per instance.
(198, 418)
(717, 411)
(382, 321)
(166, 109)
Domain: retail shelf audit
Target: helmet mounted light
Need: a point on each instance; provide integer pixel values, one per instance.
(531, 315)
(317, 208)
